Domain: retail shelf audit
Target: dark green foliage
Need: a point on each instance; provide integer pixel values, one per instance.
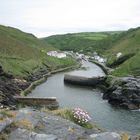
(120, 60)
(83, 42)
(129, 46)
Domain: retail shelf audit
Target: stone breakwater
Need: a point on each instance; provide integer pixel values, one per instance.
(124, 92)
(47, 102)
(83, 81)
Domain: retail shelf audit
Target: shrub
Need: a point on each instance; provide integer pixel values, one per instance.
(80, 116)
(72, 115)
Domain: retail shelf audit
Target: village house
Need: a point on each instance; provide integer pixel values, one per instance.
(56, 54)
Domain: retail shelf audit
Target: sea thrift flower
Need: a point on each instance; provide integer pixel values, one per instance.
(80, 115)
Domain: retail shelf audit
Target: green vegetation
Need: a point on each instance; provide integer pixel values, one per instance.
(108, 44)
(24, 123)
(4, 114)
(22, 54)
(67, 114)
(129, 46)
(84, 42)
(55, 63)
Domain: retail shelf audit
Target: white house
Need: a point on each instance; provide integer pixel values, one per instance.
(118, 54)
(56, 54)
(61, 55)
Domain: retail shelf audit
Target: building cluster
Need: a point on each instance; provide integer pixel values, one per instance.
(81, 56)
(78, 56)
(118, 54)
(98, 58)
(56, 54)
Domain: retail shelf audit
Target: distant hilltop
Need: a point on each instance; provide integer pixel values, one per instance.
(121, 49)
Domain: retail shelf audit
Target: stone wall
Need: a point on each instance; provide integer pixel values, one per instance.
(50, 103)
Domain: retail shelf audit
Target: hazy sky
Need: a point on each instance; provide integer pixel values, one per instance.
(47, 17)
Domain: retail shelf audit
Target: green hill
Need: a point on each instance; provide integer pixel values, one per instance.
(129, 46)
(108, 44)
(22, 53)
(84, 42)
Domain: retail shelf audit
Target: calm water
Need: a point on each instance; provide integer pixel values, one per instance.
(102, 113)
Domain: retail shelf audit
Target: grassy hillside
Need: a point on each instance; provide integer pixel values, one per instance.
(22, 53)
(107, 44)
(129, 46)
(83, 42)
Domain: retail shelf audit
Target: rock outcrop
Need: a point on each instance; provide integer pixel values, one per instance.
(31, 124)
(24, 134)
(11, 86)
(124, 92)
(106, 136)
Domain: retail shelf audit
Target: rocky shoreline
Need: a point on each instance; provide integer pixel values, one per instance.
(11, 86)
(83, 81)
(123, 92)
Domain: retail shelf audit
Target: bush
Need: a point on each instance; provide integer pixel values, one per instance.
(75, 115)
(81, 116)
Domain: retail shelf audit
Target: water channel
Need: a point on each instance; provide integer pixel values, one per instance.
(70, 96)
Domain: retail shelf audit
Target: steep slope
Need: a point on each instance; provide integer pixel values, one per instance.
(23, 60)
(129, 47)
(22, 53)
(83, 42)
